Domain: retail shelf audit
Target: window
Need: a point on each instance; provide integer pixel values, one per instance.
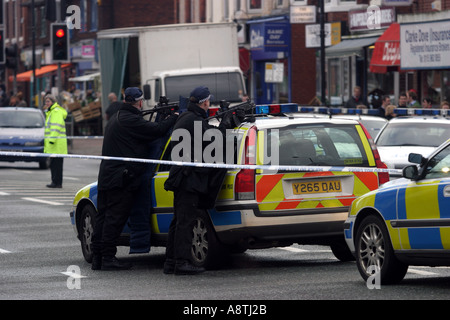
(255, 5)
(414, 134)
(439, 166)
(321, 145)
(94, 19)
(223, 86)
(43, 23)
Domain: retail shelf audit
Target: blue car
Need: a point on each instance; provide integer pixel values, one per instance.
(22, 130)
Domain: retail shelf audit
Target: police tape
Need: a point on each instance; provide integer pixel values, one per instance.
(203, 164)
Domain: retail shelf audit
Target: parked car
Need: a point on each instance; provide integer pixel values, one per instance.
(263, 208)
(405, 135)
(22, 130)
(405, 222)
(373, 124)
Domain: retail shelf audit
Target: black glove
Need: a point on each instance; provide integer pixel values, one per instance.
(227, 120)
(238, 117)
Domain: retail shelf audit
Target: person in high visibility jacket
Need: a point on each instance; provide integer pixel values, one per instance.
(55, 141)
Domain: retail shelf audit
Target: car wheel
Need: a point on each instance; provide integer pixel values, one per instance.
(374, 252)
(44, 164)
(341, 251)
(206, 250)
(86, 230)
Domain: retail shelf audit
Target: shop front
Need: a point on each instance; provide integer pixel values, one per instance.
(425, 41)
(270, 45)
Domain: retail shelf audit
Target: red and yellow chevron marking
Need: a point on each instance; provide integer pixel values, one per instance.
(270, 193)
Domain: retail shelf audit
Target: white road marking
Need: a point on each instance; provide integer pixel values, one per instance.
(4, 251)
(53, 203)
(73, 275)
(4, 194)
(422, 272)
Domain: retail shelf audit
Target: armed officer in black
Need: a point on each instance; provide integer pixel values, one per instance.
(195, 188)
(127, 135)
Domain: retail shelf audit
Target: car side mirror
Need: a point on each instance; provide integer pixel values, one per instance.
(410, 172)
(416, 158)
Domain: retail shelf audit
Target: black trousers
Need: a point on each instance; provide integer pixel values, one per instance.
(56, 170)
(180, 231)
(114, 207)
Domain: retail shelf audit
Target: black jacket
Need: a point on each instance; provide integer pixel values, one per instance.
(205, 181)
(128, 135)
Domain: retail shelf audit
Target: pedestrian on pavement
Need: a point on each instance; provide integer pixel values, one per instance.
(195, 188)
(114, 105)
(412, 100)
(427, 103)
(385, 101)
(55, 141)
(402, 100)
(127, 135)
(356, 99)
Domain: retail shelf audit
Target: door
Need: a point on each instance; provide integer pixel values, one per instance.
(426, 206)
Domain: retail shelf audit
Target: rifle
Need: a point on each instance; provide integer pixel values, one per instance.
(246, 107)
(163, 107)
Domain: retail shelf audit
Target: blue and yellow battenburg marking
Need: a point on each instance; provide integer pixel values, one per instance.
(421, 205)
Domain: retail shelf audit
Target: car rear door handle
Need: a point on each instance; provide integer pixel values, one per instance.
(447, 191)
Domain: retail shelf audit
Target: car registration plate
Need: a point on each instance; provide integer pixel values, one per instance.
(317, 187)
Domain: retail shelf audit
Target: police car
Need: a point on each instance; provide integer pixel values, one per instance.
(261, 208)
(404, 222)
(411, 134)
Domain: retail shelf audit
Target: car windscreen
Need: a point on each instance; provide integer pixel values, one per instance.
(424, 134)
(319, 145)
(223, 86)
(20, 119)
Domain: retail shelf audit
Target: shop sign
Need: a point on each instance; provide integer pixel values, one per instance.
(425, 45)
(270, 37)
(274, 72)
(303, 14)
(332, 35)
(364, 20)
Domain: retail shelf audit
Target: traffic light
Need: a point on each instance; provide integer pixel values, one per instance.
(2, 47)
(60, 42)
(11, 57)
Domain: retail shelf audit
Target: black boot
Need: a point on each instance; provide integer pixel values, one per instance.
(112, 263)
(187, 268)
(96, 262)
(169, 266)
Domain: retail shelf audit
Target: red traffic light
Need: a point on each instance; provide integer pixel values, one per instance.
(60, 33)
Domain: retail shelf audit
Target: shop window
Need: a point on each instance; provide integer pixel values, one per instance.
(254, 5)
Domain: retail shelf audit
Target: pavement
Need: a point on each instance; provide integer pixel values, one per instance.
(86, 147)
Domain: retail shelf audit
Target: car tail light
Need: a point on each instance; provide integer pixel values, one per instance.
(244, 185)
(383, 177)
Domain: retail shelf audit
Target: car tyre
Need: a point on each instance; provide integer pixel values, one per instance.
(206, 250)
(374, 251)
(86, 230)
(44, 164)
(341, 251)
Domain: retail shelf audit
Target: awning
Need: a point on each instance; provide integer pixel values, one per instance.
(86, 77)
(349, 47)
(386, 55)
(26, 76)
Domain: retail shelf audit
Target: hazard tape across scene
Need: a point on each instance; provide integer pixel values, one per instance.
(204, 165)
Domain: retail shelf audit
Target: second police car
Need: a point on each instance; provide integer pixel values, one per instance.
(259, 208)
(405, 222)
